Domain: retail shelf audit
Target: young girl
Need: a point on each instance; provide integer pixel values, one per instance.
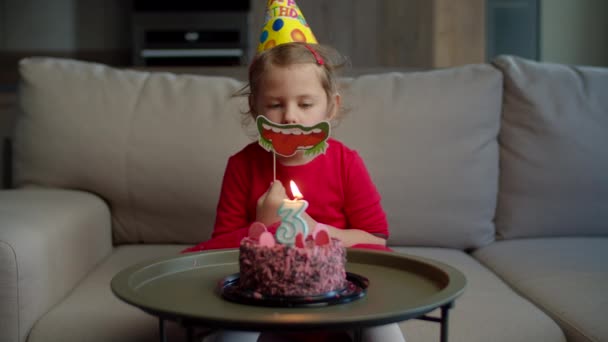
(295, 83)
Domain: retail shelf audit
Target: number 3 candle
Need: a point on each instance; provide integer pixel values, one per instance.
(291, 221)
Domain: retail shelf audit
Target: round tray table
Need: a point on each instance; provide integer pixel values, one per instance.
(185, 289)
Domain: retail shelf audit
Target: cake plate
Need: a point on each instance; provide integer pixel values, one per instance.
(355, 288)
(184, 289)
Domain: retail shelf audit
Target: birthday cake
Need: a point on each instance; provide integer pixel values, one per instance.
(311, 267)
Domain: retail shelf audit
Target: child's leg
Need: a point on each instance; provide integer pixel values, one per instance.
(383, 333)
(232, 336)
(321, 336)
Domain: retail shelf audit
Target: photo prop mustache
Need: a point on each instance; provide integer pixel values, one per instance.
(286, 139)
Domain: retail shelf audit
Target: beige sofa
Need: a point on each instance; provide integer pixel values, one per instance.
(500, 170)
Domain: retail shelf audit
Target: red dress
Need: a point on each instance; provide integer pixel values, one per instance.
(336, 185)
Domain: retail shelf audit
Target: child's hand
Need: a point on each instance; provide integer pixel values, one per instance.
(269, 204)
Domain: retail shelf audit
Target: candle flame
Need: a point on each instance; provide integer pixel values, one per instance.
(295, 191)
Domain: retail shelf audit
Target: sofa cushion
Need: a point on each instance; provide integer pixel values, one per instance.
(49, 241)
(95, 314)
(566, 277)
(489, 310)
(429, 142)
(153, 145)
(553, 158)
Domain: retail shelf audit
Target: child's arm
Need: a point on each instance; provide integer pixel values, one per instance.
(349, 237)
(268, 205)
(233, 216)
(352, 237)
(365, 219)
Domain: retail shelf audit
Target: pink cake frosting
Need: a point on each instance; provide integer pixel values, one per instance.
(281, 270)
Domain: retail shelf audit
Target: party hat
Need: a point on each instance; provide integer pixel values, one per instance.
(284, 23)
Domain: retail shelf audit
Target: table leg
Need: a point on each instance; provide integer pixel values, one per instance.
(357, 335)
(161, 330)
(444, 322)
(190, 333)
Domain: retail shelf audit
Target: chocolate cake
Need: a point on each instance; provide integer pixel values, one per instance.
(281, 270)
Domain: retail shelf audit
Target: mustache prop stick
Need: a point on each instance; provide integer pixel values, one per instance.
(287, 139)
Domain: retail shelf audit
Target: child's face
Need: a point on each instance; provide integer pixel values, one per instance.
(294, 95)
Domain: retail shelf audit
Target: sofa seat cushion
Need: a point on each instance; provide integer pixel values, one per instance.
(489, 310)
(92, 313)
(566, 277)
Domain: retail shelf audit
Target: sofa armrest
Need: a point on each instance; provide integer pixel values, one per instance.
(49, 240)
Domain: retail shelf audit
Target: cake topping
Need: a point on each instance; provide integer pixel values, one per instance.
(321, 235)
(300, 240)
(256, 229)
(318, 228)
(322, 238)
(266, 240)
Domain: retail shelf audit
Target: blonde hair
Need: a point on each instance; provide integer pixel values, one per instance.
(295, 53)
